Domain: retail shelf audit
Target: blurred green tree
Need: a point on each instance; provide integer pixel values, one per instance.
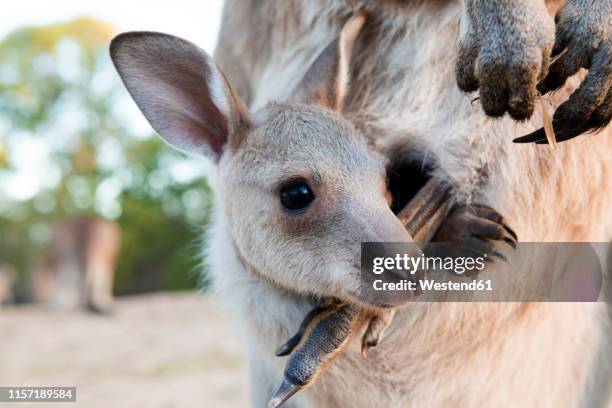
(72, 142)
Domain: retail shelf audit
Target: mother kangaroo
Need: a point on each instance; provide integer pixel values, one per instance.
(405, 98)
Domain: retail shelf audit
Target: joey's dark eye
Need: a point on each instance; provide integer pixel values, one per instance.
(296, 195)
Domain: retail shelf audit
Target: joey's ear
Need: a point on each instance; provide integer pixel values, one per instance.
(181, 92)
(326, 81)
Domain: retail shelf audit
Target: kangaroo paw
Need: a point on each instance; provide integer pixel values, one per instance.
(475, 231)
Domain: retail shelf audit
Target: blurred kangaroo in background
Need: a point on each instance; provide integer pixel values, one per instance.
(8, 275)
(80, 265)
(298, 187)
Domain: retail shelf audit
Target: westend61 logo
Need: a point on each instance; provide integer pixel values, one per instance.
(397, 273)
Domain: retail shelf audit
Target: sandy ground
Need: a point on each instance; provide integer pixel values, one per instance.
(162, 350)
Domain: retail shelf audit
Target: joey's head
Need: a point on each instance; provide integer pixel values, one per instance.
(299, 188)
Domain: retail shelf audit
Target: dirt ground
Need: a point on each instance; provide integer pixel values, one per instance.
(162, 350)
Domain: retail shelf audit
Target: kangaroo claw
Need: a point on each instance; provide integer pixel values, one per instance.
(375, 331)
(510, 242)
(510, 231)
(500, 256)
(287, 348)
(283, 393)
(474, 230)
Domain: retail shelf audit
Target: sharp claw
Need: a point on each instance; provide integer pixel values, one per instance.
(500, 256)
(366, 346)
(510, 242)
(535, 136)
(284, 392)
(564, 134)
(288, 347)
(292, 343)
(375, 331)
(563, 131)
(510, 231)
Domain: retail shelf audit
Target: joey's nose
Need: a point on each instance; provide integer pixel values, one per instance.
(384, 226)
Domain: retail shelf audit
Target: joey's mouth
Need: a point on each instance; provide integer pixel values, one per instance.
(353, 297)
(372, 305)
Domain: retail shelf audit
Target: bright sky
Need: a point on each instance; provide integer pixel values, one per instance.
(197, 21)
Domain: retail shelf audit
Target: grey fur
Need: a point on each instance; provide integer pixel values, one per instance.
(505, 52)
